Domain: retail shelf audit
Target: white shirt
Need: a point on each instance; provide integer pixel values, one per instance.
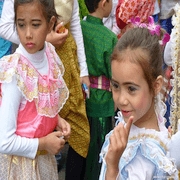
(110, 21)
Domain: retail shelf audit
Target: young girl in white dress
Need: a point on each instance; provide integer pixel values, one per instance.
(139, 147)
(32, 92)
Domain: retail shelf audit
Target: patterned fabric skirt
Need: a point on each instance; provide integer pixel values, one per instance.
(43, 167)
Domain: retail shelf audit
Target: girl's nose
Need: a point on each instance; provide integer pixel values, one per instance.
(122, 99)
(28, 33)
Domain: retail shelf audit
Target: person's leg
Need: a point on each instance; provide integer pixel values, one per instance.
(75, 165)
(99, 127)
(60, 159)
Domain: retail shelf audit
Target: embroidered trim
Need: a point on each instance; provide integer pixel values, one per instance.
(48, 92)
(175, 81)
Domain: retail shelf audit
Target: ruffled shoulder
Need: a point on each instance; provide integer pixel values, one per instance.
(8, 65)
(152, 145)
(53, 54)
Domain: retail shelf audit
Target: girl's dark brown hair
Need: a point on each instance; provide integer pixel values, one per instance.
(48, 8)
(141, 48)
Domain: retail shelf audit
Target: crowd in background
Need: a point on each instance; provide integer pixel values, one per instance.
(83, 38)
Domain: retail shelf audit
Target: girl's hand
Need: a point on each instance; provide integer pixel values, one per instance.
(52, 143)
(118, 141)
(85, 80)
(55, 38)
(64, 127)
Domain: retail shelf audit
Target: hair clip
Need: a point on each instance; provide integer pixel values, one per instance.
(152, 27)
(165, 39)
(136, 21)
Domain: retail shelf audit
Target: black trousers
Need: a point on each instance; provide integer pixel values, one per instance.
(75, 165)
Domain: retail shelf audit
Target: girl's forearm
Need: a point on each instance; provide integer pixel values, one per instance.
(111, 174)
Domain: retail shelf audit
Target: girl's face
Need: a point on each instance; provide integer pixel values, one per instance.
(32, 26)
(131, 92)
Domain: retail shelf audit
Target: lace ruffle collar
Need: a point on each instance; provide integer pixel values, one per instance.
(48, 92)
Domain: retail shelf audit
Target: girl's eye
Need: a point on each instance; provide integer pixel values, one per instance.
(131, 89)
(114, 85)
(20, 25)
(36, 25)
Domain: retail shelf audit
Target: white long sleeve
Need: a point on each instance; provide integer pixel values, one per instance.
(76, 31)
(10, 143)
(7, 26)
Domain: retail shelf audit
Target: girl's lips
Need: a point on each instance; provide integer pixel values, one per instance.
(30, 45)
(125, 113)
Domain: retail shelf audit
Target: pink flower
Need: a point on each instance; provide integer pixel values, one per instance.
(153, 28)
(136, 21)
(165, 39)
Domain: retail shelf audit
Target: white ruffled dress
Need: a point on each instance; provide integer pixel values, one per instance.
(146, 156)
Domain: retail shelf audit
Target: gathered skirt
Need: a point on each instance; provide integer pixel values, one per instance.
(43, 167)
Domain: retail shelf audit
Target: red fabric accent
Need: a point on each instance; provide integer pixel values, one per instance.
(100, 82)
(120, 23)
(126, 9)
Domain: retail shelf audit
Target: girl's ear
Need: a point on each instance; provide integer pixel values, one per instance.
(158, 84)
(52, 23)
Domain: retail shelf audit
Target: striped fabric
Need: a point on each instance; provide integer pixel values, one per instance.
(100, 82)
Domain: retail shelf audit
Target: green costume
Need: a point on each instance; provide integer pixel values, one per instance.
(82, 9)
(99, 43)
